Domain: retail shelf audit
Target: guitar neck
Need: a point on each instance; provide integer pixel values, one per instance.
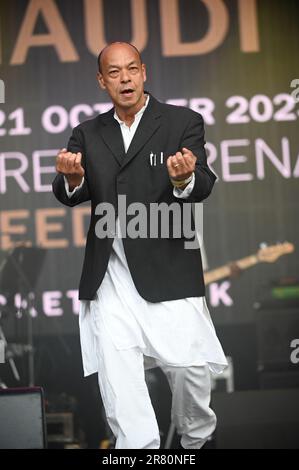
(225, 271)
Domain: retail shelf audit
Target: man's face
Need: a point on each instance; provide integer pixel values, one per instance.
(122, 75)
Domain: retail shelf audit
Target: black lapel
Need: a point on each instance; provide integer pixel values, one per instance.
(112, 136)
(148, 125)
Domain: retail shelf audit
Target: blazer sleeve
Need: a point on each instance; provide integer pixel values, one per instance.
(193, 139)
(75, 144)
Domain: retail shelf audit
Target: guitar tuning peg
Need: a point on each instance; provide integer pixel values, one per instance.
(263, 245)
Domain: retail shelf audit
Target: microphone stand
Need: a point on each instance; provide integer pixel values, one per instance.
(27, 299)
(2, 335)
(10, 360)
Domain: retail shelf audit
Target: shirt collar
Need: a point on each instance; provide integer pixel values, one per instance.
(140, 112)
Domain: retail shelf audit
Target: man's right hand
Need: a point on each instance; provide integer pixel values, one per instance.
(69, 164)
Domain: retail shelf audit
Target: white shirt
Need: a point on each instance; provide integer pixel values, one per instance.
(176, 332)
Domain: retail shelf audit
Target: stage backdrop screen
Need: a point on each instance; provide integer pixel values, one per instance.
(234, 61)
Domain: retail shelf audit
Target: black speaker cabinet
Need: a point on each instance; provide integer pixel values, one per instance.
(22, 418)
(275, 331)
(257, 419)
(280, 379)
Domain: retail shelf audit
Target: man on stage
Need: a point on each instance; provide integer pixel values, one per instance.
(142, 298)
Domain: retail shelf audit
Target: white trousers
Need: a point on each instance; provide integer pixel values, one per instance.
(128, 406)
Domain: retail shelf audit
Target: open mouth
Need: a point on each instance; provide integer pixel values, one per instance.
(127, 92)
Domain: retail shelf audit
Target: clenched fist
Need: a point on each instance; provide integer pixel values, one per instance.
(69, 164)
(181, 165)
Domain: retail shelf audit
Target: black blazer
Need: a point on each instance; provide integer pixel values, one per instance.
(161, 268)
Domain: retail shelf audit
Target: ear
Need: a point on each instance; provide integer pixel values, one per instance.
(143, 68)
(101, 80)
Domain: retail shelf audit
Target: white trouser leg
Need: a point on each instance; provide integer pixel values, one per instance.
(191, 414)
(125, 396)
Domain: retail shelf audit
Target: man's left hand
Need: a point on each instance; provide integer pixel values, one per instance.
(181, 165)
